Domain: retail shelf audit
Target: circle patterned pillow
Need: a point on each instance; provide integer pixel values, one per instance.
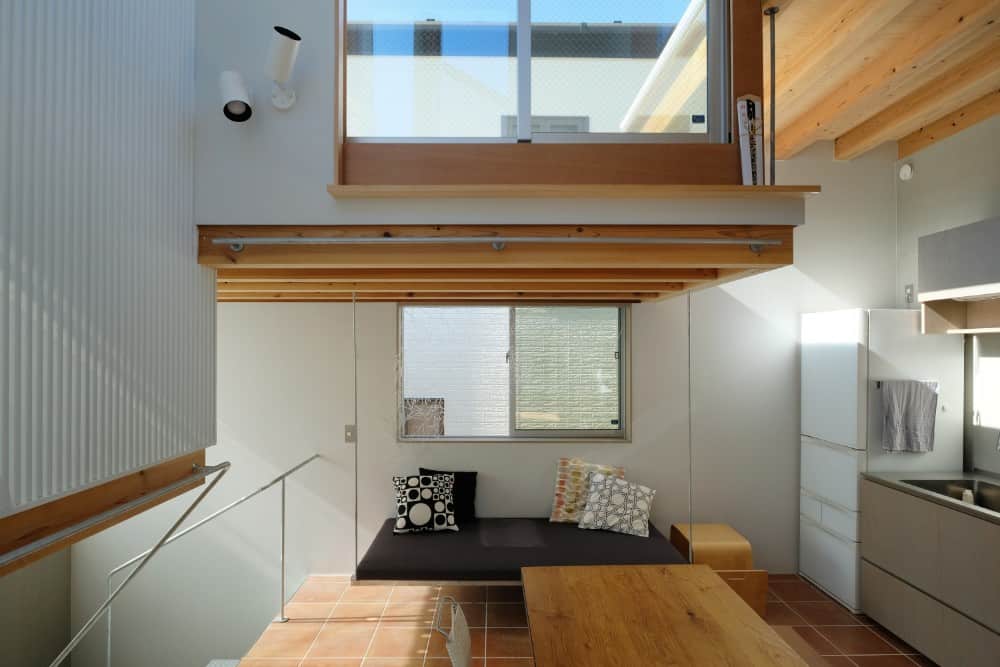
(424, 503)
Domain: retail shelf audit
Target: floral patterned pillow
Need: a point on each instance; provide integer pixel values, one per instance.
(617, 505)
(572, 486)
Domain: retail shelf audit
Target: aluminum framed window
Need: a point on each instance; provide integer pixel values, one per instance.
(513, 373)
(476, 71)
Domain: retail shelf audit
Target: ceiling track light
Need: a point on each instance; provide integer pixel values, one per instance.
(236, 103)
(284, 51)
(235, 97)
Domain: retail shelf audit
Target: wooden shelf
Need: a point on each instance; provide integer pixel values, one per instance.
(950, 316)
(572, 191)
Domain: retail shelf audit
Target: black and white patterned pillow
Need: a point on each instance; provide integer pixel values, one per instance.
(617, 505)
(424, 503)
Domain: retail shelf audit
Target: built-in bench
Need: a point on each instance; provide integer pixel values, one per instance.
(497, 549)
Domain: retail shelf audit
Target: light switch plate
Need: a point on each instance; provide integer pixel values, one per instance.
(350, 433)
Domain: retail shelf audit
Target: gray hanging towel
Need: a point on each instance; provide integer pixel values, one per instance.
(909, 410)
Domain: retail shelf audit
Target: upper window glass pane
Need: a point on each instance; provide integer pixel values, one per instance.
(631, 66)
(430, 68)
(567, 368)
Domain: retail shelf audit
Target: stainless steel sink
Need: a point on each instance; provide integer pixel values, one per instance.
(985, 494)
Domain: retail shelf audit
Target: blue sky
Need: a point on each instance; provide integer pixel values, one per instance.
(505, 11)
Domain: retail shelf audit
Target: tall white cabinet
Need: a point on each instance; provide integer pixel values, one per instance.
(845, 356)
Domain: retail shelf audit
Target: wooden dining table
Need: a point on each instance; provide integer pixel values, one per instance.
(643, 616)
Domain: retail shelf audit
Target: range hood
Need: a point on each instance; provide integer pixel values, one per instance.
(959, 278)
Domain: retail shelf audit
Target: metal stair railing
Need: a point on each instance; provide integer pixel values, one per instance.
(281, 618)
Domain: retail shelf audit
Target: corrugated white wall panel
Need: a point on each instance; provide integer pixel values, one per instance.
(107, 329)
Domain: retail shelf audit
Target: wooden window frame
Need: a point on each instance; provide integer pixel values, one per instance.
(382, 163)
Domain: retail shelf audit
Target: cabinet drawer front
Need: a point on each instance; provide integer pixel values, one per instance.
(831, 472)
(841, 522)
(830, 561)
(939, 632)
(970, 566)
(810, 507)
(899, 533)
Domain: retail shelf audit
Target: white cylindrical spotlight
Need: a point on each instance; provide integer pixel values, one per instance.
(284, 50)
(235, 97)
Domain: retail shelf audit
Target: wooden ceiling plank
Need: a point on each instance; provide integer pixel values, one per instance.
(813, 66)
(516, 255)
(439, 296)
(965, 83)
(239, 274)
(956, 121)
(347, 288)
(948, 31)
(209, 232)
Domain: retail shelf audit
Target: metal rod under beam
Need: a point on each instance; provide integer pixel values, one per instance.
(492, 240)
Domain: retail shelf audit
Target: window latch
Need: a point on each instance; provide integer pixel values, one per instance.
(507, 358)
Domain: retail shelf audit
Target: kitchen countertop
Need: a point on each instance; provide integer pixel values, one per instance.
(896, 480)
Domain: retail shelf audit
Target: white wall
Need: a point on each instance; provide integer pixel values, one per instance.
(285, 391)
(955, 182)
(34, 611)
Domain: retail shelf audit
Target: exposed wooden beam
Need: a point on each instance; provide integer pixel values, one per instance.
(347, 288)
(952, 123)
(23, 528)
(435, 297)
(819, 42)
(965, 83)
(481, 256)
(465, 275)
(780, 4)
(948, 31)
(209, 232)
(520, 255)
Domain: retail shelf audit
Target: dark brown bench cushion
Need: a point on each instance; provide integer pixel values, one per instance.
(497, 549)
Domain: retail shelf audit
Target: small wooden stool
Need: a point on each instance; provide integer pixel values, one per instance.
(728, 553)
(715, 544)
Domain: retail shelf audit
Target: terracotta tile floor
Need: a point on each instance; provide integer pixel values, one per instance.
(826, 634)
(333, 623)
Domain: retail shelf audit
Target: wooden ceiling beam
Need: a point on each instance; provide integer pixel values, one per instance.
(482, 256)
(952, 123)
(940, 33)
(967, 82)
(515, 255)
(440, 296)
(465, 275)
(209, 232)
(348, 288)
(823, 46)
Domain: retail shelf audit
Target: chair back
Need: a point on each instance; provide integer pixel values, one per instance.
(457, 639)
